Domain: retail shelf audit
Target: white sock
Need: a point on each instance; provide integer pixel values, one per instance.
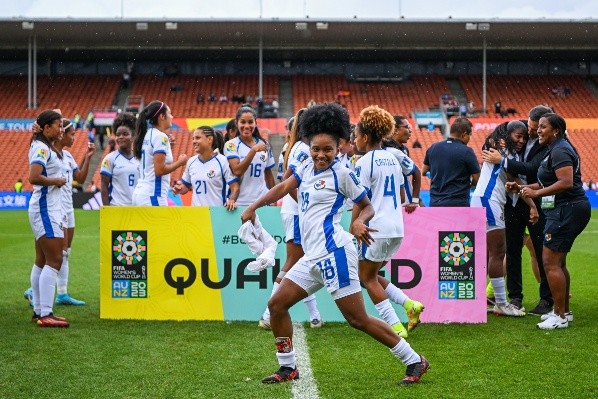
(63, 274)
(405, 354)
(35, 273)
(266, 314)
(387, 312)
(396, 294)
(312, 307)
(287, 359)
(498, 284)
(47, 285)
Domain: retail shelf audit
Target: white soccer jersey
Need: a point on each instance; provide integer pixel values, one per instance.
(208, 180)
(298, 155)
(45, 198)
(491, 184)
(321, 195)
(380, 174)
(253, 184)
(124, 174)
(149, 185)
(408, 167)
(66, 192)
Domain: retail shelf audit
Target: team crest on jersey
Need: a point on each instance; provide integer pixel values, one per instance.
(211, 174)
(547, 237)
(320, 184)
(263, 157)
(230, 146)
(42, 153)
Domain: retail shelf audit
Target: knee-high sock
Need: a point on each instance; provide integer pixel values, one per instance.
(312, 307)
(47, 285)
(36, 271)
(266, 314)
(396, 294)
(62, 281)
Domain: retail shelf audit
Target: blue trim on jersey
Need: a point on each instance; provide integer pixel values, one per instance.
(43, 208)
(106, 173)
(492, 182)
(328, 222)
(110, 187)
(411, 171)
(298, 178)
(157, 186)
(232, 156)
(186, 183)
(270, 167)
(489, 214)
(39, 163)
(372, 164)
(223, 192)
(158, 152)
(234, 180)
(342, 267)
(154, 200)
(335, 177)
(361, 196)
(407, 190)
(296, 230)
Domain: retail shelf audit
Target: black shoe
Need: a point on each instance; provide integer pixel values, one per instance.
(541, 308)
(415, 371)
(516, 302)
(281, 375)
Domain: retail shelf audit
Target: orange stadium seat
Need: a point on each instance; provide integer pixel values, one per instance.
(180, 92)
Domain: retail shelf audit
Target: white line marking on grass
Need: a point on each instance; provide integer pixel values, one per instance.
(305, 387)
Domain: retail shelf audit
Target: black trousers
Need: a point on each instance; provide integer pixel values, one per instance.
(516, 220)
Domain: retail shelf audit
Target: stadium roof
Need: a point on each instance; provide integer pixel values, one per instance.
(300, 35)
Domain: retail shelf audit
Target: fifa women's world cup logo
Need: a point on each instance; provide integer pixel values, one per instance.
(129, 264)
(456, 265)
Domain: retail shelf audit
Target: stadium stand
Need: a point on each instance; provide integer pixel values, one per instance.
(14, 164)
(417, 93)
(181, 92)
(70, 93)
(568, 95)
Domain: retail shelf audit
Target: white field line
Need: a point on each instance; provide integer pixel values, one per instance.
(305, 387)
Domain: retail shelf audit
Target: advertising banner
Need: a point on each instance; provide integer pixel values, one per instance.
(10, 200)
(188, 263)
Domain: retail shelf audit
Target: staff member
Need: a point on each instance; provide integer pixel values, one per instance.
(567, 211)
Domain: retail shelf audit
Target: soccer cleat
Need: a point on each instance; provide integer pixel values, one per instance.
(413, 309)
(316, 323)
(553, 322)
(516, 302)
(507, 310)
(66, 299)
(415, 371)
(400, 330)
(35, 318)
(541, 308)
(568, 316)
(52, 321)
(282, 374)
(28, 295)
(490, 293)
(265, 324)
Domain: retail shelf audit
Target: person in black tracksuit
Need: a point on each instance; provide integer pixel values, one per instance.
(517, 216)
(567, 211)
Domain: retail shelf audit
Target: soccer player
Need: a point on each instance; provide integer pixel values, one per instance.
(250, 157)
(71, 171)
(208, 173)
(289, 212)
(152, 148)
(45, 216)
(379, 172)
(412, 176)
(491, 194)
(330, 258)
(120, 168)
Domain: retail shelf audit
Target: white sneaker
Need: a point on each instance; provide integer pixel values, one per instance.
(553, 322)
(507, 309)
(568, 316)
(316, 323)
